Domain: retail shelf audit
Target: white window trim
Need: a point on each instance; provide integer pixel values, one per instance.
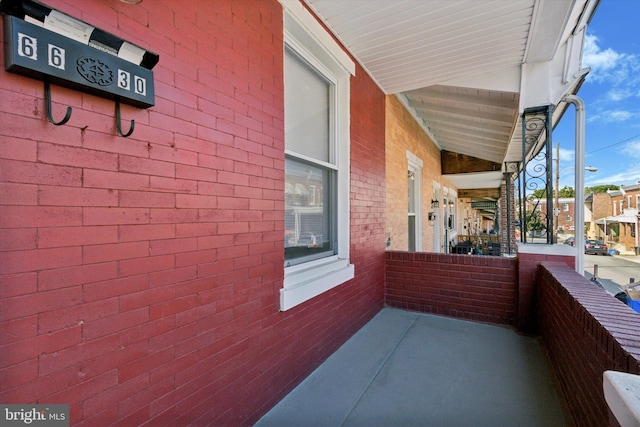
(306, 36)
(415, 165)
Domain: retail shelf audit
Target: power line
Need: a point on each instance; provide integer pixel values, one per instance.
(612, 145)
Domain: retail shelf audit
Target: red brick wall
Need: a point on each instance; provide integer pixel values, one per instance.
(527, 283)
(480, 288)
(586, 331)
(140, 277)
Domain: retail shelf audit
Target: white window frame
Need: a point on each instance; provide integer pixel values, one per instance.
(415, 164)
(304, 35)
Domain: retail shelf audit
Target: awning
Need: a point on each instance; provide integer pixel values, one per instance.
(617, 219)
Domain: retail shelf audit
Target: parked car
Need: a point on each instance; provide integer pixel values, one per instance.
(570, 241)
(595, 247)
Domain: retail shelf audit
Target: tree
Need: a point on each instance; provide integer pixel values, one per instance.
(534, 222)
(565, 191)
(601, 188)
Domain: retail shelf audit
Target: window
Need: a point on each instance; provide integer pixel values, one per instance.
(621, 207)
(414, 208)
(568, 218)
(565, 207)
(638, 202)
(316, 89)
(452, 211)
(310, 166)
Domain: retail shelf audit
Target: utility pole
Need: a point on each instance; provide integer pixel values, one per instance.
(556, 210)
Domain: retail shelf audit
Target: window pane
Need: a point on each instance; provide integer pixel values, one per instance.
(412, 195)
(309, 223)
(306, 113)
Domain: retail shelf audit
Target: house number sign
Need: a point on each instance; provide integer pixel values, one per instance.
(39, 53)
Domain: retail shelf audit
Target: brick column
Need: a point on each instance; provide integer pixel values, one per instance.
(507, 204)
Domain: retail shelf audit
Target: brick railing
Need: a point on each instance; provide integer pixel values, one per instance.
(464, 286)
(586, 331)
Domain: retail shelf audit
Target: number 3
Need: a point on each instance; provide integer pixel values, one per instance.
(124, 79)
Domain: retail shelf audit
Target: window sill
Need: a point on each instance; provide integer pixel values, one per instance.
(306, 281)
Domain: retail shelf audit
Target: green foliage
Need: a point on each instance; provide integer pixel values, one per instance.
(568, 192)
(600, 188)
(541, 193)
(565, 191)
(534, 222)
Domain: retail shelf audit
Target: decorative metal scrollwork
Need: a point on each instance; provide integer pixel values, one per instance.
(536, 222)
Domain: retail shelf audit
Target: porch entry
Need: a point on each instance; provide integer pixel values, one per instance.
(436, 219)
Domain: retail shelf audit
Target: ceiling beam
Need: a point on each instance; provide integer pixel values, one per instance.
(453, 163)
(479, 192)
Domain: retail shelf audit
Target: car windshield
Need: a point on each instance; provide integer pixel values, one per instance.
(593, 242)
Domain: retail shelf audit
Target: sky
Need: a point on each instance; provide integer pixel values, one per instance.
(611, 94)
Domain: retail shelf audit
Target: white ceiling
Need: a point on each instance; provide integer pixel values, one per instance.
(465, 69)
(409, 44)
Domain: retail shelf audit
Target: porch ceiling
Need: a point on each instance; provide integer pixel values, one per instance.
(466, 69)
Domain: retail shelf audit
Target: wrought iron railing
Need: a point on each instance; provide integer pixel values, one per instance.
(536, 224)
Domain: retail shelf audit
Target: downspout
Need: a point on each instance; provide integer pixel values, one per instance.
(579, 183)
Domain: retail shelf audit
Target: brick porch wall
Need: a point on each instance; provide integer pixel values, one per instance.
(529, 258)
(586, 331)
(480, 288)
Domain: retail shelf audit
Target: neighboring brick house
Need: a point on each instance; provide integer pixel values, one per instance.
(413, 170)
(620, 228)
(566, 212)
(599, 205)
(564, 222)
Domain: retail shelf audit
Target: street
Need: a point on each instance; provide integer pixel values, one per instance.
(613, 271)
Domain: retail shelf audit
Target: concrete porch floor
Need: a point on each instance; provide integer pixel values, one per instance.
(411, 369)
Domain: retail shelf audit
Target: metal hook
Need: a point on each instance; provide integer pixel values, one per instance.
(119, 122)
(47, 97)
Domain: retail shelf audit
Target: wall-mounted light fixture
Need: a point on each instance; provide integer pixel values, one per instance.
(435, 204)
(412, 175)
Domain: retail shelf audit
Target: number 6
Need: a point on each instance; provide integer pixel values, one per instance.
(27, 46)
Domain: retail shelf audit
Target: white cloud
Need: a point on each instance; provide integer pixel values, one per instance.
(599, 60)
(617, 116)
(567, 155)
(632, 149)
(622, 178)
(607, 65)
(611, 116)
(616, 95)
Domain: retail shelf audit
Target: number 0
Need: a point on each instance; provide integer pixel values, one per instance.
(140, 86)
